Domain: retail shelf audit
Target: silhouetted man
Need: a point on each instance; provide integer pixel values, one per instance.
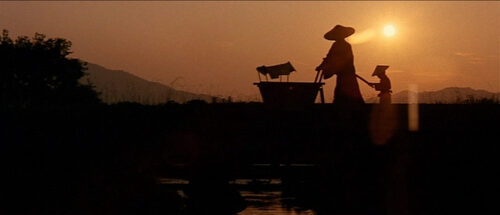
(340, 61)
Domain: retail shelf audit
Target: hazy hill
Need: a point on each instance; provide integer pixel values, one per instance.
(119, 86)
(446, 96)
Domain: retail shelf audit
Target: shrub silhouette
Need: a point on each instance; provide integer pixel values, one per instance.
(38, 72)
(472, 100)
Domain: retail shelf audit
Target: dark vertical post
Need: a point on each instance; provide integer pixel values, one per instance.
(321, 95)
(316, 78)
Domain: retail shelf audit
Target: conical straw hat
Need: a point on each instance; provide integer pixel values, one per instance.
(339, 32)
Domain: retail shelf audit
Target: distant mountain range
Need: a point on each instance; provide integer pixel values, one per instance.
(120, 86)
(445, 96)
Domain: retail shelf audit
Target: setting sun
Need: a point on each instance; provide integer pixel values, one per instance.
(389, 30)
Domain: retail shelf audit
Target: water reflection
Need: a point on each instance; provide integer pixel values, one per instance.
(270, 202)
(262, 196)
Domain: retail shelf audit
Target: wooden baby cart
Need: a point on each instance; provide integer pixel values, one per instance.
(285, 92)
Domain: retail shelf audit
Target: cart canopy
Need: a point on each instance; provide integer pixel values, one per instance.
(276, 70)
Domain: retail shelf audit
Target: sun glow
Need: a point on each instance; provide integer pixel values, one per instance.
(389, 30)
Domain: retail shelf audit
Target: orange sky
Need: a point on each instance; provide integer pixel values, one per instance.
(214, 47)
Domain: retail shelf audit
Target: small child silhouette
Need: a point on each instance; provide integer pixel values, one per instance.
(384, 86)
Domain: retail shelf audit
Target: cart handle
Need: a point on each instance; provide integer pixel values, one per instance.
(319, 74)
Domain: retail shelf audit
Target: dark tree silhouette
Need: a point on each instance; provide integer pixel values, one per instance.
(38, 71)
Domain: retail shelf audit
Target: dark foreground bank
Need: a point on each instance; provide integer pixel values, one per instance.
(109, 159)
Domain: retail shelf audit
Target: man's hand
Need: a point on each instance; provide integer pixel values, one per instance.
(318, 68)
